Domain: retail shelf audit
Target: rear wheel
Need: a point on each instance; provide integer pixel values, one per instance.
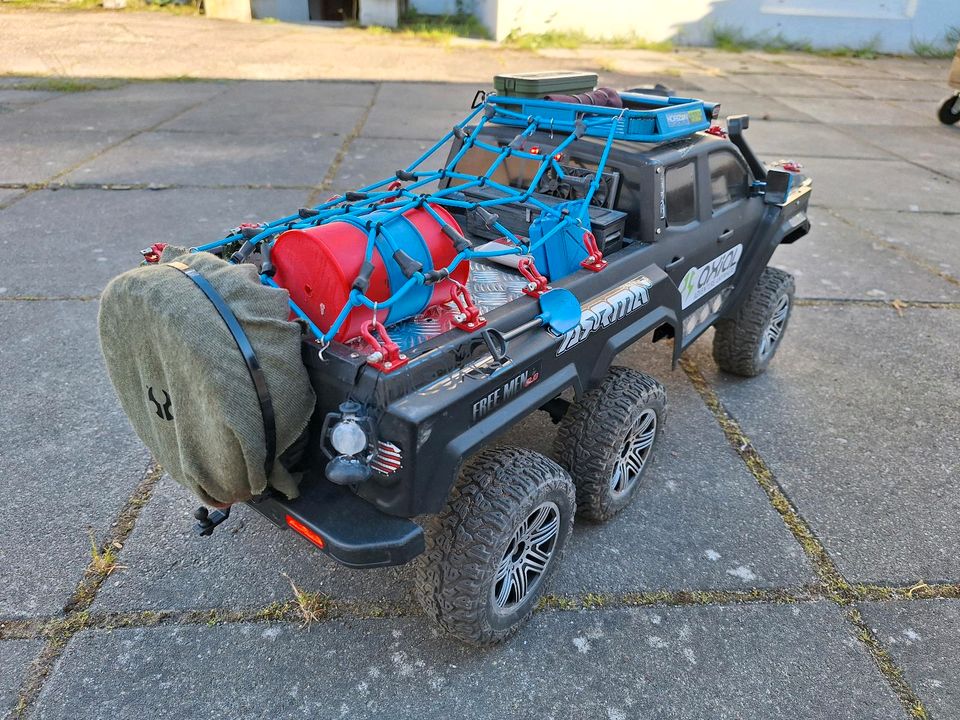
(607, 437)
(745, 344)
(490, 554)
(949, 112)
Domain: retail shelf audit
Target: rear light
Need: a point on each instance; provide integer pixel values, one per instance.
(387, 459)
(535, 150)
(305, 531)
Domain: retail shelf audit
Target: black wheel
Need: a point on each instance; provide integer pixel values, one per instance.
(745, 344)
(491, 552)
(949, 112)
(606, 440)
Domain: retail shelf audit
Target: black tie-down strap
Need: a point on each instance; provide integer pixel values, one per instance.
(249, 357)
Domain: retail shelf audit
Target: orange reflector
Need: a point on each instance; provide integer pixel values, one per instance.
(305, 531)
(535, 150)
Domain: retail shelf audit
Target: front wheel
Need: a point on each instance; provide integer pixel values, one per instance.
(949, 112)
(491, 552)
(745, 344)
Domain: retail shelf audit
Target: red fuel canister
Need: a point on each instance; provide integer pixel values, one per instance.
(318, 266)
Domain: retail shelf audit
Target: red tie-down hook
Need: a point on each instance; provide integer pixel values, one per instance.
(468, 315)
(386, 355)
(594, 260)
(537, 283)
(151, 255)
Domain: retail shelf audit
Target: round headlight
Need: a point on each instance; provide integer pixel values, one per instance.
(348, 438)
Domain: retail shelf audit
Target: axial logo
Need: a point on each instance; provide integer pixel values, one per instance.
(509, 390)
(699, 281)
(608, 309)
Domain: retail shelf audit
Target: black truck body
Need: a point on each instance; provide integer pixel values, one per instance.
(703, 218)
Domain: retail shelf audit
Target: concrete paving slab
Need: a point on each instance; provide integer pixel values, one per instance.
(421, 97)
(865, 111)
(26, 158)
(199, 158)
(931, 236)
(936, 147)
(292, 109)
(858, 418)
(924, 640)
(107, 110)
(72, 242)
(242, 565)
(912, 90)
(838, 260)
(914, 68)
(837, 68)
(369, 160)
(796, 86)
(7, 195)
(737, 64)
(773, 140)
(684, 663)
(15, 658)
(11, 98)
(710, 85)
(385, 121)
(760, 108)
(879, 184)
(699, 521)
(66, 445)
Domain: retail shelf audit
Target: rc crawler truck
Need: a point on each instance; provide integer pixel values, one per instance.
(345, 370)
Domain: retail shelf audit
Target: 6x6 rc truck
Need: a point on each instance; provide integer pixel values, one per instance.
(344, 369)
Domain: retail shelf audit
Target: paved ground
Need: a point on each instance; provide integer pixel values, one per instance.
(794, 554)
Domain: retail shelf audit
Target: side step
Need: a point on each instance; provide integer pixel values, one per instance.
(349, 529)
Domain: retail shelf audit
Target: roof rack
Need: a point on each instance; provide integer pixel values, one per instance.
(643, 118)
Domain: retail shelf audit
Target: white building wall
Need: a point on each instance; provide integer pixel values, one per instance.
(824, 23)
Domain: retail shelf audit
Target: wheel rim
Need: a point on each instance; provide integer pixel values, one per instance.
(774, 330)
(527, 556)
(635, 453)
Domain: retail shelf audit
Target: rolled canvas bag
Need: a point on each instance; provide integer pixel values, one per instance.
(187, 385)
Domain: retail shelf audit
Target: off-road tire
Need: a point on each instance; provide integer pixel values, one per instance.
(498, 488)
(945, 114)
(594, 433)
(738, 341)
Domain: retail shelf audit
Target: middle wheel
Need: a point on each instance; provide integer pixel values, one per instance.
(606, 440)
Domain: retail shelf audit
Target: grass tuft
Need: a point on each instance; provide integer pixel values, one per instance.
(573, 39)
(68, 85)
(937, 49)
(733, 39)
(103, 561)
(434, 28)
(311, 607)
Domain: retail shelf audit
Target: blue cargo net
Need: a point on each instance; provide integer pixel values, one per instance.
(389, 198)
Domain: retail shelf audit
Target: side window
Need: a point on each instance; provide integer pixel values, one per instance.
(728, 179)
(680, 194)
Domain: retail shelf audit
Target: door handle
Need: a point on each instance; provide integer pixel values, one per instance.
(725, 235)
(673, 263)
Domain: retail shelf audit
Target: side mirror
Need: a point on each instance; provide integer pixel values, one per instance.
(779, 183)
